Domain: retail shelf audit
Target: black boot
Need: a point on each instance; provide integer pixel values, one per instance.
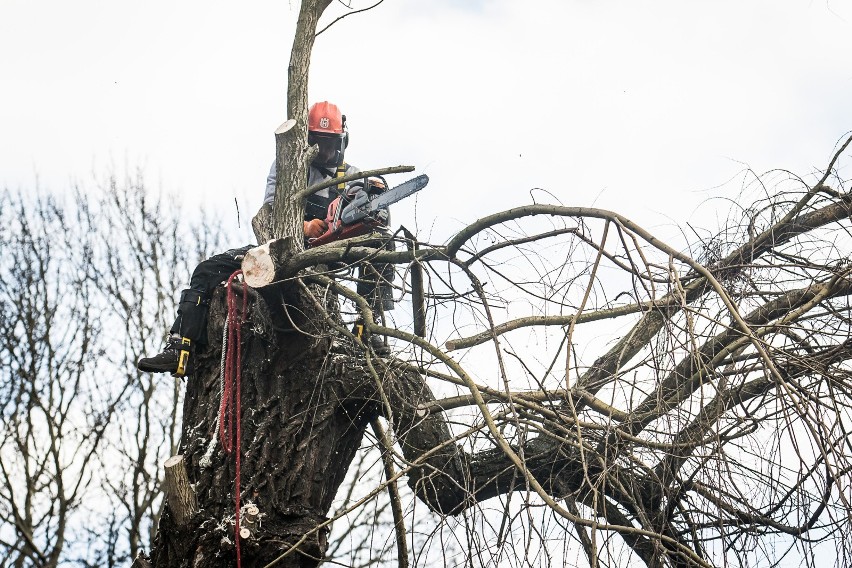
(189, 329)
(176, 358)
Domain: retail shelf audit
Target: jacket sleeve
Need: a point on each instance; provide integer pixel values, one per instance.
(271, 179)
(350, 169)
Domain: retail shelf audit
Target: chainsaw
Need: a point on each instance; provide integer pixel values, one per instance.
(358, 215)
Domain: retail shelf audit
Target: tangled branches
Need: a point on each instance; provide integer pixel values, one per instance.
(704, 416)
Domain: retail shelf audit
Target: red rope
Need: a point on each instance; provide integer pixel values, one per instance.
(229, 410)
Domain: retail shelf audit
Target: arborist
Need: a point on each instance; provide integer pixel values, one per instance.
(327, 129)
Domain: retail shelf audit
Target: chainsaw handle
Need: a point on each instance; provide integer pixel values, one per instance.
(355, 209)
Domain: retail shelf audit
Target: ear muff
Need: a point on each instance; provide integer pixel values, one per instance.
(345, 133)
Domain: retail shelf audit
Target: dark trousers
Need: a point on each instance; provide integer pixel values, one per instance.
(191, 322)
(191, 319)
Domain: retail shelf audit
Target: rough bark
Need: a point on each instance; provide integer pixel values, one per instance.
(307, 398)
(300, 429)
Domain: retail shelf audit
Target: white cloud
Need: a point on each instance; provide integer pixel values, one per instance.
(638, 107)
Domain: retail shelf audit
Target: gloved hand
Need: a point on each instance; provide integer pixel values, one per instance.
(314, 228)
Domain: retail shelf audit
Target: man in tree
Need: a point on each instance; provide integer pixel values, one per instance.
(326, 129)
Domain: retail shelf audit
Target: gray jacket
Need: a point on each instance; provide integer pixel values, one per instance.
(315, 175)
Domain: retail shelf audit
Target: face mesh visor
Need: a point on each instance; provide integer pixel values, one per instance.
(330, 149)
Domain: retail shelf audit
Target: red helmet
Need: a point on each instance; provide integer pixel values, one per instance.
(325, 117)
(327, 129)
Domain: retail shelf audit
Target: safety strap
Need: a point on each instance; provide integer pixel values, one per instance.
(185, 349)
(194, 297)
(341, 171)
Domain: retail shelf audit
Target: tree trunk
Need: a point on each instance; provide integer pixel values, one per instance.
(299, 432)
(307, 397)
(293, 157)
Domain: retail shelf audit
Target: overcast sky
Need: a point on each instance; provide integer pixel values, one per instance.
(640, 107)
